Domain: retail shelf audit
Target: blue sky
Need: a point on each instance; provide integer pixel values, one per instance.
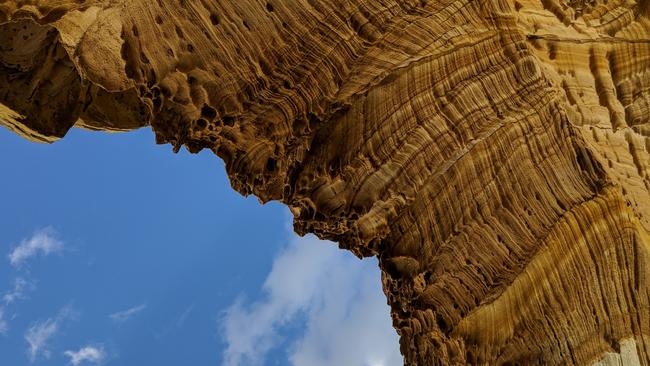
(115, 251)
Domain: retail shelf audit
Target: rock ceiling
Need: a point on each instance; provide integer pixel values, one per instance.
(494, 154)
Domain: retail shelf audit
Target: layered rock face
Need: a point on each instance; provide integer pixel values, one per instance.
(494, 154)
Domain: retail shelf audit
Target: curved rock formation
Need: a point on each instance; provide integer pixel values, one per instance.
(494, 154)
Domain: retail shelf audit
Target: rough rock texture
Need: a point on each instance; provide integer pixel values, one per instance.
(494, 154)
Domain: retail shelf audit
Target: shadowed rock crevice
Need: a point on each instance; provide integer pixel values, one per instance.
(494, 155)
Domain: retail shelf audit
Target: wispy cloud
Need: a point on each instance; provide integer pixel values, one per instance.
(122, 316)
(43, 242)
(88, 355)
(39, 334)
(339, 298)
(37, 337)
(18, 291)
(181, 319)
(174, 324)
(4, 327)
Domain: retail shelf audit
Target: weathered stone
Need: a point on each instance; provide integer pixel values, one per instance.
(495, 155)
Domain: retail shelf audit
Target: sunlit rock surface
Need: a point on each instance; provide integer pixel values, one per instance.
(493, 154)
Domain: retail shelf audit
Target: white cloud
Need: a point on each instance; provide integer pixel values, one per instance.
(18, 292)
(339, 298)
(37, 337)
(39, 334)
(87, 355)
(122, 316)
(43, 241)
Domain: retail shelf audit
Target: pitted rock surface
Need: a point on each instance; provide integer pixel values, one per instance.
(494, 154)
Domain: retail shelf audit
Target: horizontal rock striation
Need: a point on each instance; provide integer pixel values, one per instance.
(494, 154)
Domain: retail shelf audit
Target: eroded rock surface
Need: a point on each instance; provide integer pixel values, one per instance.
(494, 154)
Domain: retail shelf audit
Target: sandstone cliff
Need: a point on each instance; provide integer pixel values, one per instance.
(494, 154)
